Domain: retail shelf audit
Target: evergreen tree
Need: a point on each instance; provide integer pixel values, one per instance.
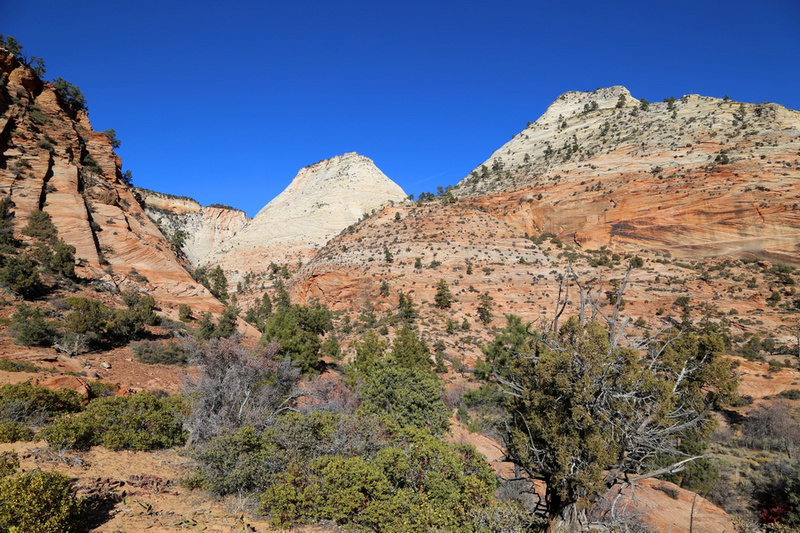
(406, 310)
(282, 299)
(443, 298)
(485, 308)
(629, 411)
(297, 330)
(409, 351)
(370, 351)
(218, 284)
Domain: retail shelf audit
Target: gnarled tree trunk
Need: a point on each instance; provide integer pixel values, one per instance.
(566, 517)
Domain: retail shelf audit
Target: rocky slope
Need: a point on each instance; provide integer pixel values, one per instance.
(51, 159)
(694, 176)
(706, 191)
(321, 201)
(196, 230)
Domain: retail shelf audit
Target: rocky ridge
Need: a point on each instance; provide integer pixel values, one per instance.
(53, 160)
(695, 176)
(701, 188)
(321, 201)
(196, 230)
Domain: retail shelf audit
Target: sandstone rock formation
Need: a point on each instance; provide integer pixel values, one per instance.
(198, 231)
(52, 160)
(322, 200)
(694, 176)
(672, 185)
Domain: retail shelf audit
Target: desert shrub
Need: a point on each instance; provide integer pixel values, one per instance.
(20, 275)
(101, 389)
(790, 394)
(410, 396)
(57, 258)
(7, 365)
(40, 502)
(11, 431)
(128, 323)
(771, 427)
(235, 387)
(138, 422)
(89, 321)
(40, 226)
(70, 433)
(169, 352)
(184, 313)
(33, 406)
(415, 483)
(504, 517)
(9, 462)
(29, 328)
(249, 459)
(92, 324)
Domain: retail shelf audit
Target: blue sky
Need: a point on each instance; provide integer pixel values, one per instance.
(225, 101)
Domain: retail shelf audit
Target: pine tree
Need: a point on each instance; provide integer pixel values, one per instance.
(443, 298)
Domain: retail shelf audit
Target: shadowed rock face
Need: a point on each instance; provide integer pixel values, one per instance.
(53, 160)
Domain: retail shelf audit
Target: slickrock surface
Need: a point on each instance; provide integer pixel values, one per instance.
(321, 201)
(696, 176)
(203, 230)
(54, 161)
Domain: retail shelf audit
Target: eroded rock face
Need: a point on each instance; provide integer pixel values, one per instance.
(55, 162)
(198, 230)
(322, 200)
(694, 176)
(672, 185)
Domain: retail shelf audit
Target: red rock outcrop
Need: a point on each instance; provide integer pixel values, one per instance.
(695, 176)
(322, 200)
(52, 160)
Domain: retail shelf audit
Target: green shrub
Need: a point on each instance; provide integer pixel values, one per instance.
(19, 274)
(32, 405)
(40, 502)
(410, 396)
(297, 330)
(184, 313)
(71, 94)
(70, 433)
(40, 226)
(101, 389)
(38, 117)
(9, 462)
(160, 352)
(127, 323)
(58, 258)
(139, 422)
(11, 431)
(7, 365)
(248, 460)
(790, 394)
(416, 483)
(29, 328)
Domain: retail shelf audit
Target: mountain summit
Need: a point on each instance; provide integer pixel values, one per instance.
(696, 176)
(321, 201)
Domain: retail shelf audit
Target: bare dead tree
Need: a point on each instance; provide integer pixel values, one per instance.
(235, 387)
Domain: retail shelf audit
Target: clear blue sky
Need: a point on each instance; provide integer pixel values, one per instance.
(225, 100)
